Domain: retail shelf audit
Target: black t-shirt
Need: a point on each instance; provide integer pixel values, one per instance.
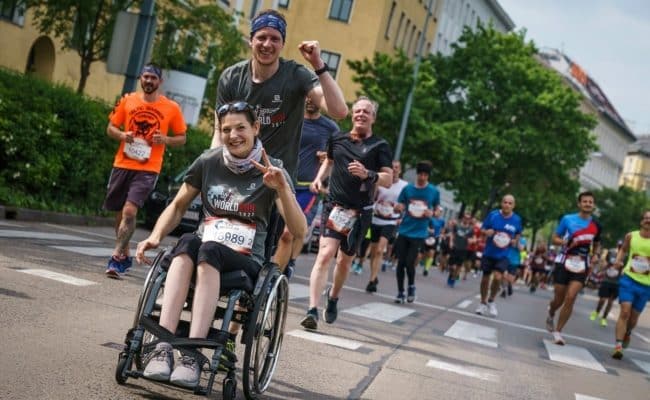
(344, 188)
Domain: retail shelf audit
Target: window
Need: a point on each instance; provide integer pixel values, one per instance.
(283, 3)
(13, 10)
(399, 29)
(225, 2)
(406, 30)
(340, 10)
(390, 19)
(407, 50)
(417, 43)
(255, 7)
(332, 60)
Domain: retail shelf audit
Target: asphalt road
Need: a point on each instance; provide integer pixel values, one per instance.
(62, 322)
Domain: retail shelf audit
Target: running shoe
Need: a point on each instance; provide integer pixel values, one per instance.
(116, 268)
(425, 272)
(311, 319)
(509, 289)
(187, 373)
(383, 265)
(289, 269)
(492, 308)
(482, 309)
(626, 339)
(160, 365)
(357, 268)
(603, 322)
(372, 286)
(230, 346)
(550, 323)
(400, 298)
(593, 315)
(503, 293)
(411, 294)
(558, 339)
(618, 351)
(331, 312)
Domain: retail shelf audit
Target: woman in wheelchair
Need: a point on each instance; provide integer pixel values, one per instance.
(238, 184)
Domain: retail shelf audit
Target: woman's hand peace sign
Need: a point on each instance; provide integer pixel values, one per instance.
(273, 176)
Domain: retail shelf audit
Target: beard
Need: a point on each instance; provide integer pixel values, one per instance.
(149, 88)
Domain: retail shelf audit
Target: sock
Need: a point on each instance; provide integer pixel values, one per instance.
(428, 262)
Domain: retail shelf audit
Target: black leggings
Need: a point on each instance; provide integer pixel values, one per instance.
(407, 250)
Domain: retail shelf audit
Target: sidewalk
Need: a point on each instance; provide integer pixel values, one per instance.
(24, 214)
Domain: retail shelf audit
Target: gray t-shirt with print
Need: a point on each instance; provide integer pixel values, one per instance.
(243, 197)
(279, 102)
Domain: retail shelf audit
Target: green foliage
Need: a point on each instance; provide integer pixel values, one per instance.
(55, 154)
(619, 212)
(198, 39)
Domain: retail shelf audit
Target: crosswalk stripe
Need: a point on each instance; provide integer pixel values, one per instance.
(463, 370)
(483, 335)
(464, 304)
(644, 365)
(585, 397)
(43, 273)
(380, 311)
(41, 235)
(97, 251)
(298, 291)
(326, 339)
(573, 355)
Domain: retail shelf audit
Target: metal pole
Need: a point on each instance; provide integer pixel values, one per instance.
(140, 44)
(409, 99)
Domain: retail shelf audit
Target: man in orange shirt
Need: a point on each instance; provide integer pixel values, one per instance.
(140, 122)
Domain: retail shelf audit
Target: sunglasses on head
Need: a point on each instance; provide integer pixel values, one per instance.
(240, 106)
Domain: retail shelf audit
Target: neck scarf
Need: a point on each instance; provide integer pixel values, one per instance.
(242, 165)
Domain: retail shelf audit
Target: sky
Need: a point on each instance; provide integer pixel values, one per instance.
(609, 39)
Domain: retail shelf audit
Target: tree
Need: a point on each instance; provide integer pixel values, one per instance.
(197, 39)
(619, 212)
(525, 132)
(85, 27)
(388, 80)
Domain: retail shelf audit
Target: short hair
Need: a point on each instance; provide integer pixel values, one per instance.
(585, 194)
(375, 105)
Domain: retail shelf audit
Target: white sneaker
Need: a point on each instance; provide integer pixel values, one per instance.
(493, 309)
(558, 339)
(160, 365)
(482, 309)
(187, 373)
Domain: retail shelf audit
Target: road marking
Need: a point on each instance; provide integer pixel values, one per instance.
(4, 223)
(572, 355)
(640, 336)
(644, 365)
(42, 235)
(43, 273)
(380, 311)
(326, 339)
(464, 304)
(483, 335)
(463, 370)
(298, 291)
(585, 397)
(98, 251)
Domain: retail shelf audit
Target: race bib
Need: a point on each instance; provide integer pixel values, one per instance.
(640, 264)
(417, 208)
(237, 235)
(430, 241)
(539, 260)
(138, 150)
(341, 220)
(501, 240)
(575, 264)
(384, 209)
(611, 272)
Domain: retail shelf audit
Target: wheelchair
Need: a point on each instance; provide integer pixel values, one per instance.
(259, 306)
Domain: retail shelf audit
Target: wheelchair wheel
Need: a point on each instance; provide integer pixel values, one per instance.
(264, 334)
(120, 369)
(229, 388)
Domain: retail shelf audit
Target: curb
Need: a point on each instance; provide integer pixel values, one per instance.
(24, 214)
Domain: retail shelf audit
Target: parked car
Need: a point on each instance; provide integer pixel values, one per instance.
(162, 195)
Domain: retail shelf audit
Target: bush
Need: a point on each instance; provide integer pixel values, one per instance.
(54, 151)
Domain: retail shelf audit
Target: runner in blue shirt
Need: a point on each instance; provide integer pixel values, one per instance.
(417, 200)
(502, 229)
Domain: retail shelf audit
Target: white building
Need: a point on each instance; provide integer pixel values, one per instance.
(604, 167)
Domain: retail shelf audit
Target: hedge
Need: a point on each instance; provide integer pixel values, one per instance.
(54, 151)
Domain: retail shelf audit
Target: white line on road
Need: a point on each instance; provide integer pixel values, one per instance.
(98, 251)
(462, 370)
(4, 223)
(43, 273)
(380, 311)
(464, 304)
(572, 355)
(41, 235)
(640, 336)
(585, 397)
(644, 365)
(326, 339)
(483, 335)
(298, 291)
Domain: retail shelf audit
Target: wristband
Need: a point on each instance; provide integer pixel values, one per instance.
(320, 71)
(373, 177)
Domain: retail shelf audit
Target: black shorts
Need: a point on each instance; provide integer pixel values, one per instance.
(458, 256)
(562, 276)
(221, 257)
(489, 264)
(349, 244)
(608, 290)
(378, 231)
(126, 184)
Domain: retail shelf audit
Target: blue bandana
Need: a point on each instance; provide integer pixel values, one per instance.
(269, 21)
(152, 70)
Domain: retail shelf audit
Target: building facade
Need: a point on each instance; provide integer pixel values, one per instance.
(636, 169)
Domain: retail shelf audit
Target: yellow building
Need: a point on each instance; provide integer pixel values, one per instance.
(636, 168)
(346, 29)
